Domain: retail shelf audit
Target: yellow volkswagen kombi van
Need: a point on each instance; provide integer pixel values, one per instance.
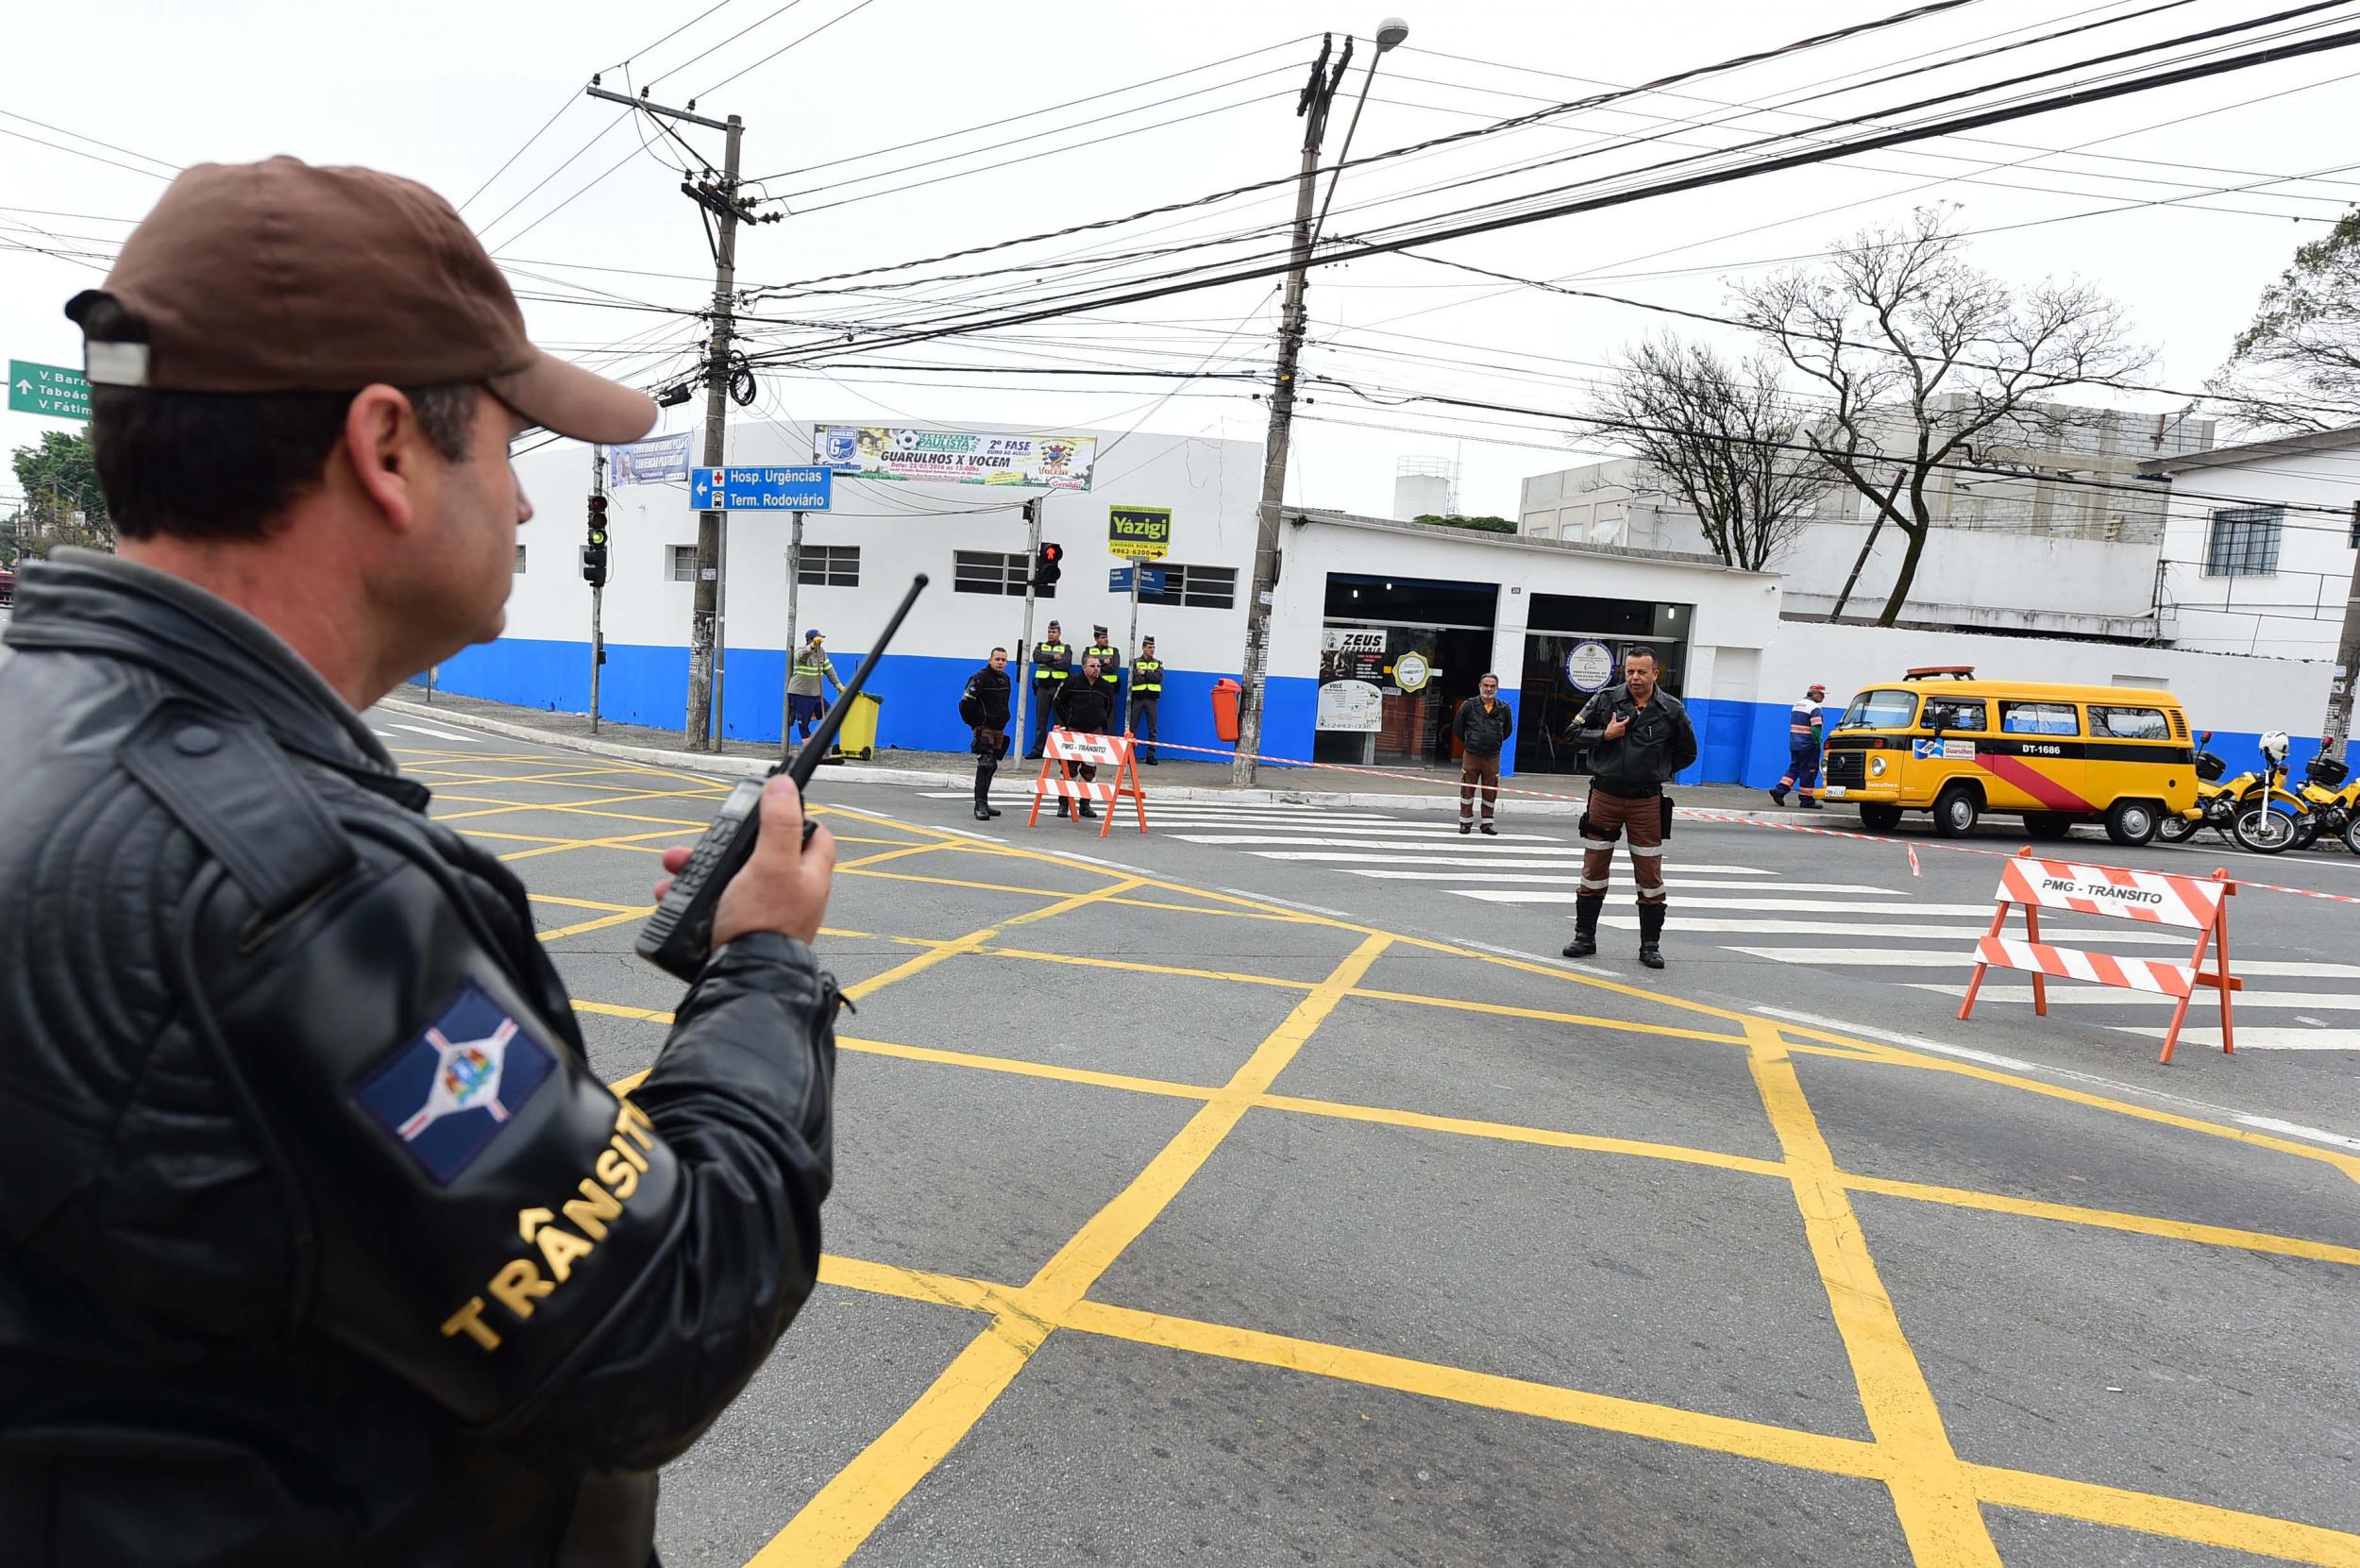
(1940, 740)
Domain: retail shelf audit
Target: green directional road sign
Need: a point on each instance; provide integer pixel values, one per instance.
(51, 390)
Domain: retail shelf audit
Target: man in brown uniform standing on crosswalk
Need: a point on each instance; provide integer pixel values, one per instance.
(1638, 736)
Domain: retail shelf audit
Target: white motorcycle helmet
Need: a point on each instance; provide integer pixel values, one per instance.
(2274, 748)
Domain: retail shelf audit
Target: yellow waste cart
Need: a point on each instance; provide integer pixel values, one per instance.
(858, 738)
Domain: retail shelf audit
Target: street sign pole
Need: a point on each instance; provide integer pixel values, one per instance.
(720, 626)
(1024, 644)
(787, 699)
(1131, 647)
(597, 639)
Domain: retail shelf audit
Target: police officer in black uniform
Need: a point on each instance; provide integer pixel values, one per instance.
(1109, 661)
(1052, 664)
(1086, 704)
(984, 708)
(321, 1240)
(1147, 697)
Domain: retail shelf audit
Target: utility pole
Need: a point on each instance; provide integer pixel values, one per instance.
(2346, 653)
(724, 211)
(1024, 644)
(1318, 95)
(1131, 647)
(598, 585)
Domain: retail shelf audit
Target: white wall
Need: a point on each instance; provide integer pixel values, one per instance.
(1212, 487)
(1733, 609)
(2296, 614)
(2230, 694)
(1977, 577)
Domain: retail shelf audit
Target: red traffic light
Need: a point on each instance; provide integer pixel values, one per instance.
(597, 506)
(1052, 554)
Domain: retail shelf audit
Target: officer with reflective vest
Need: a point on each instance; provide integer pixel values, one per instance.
(1109, 661)
(1805, 724)
(1053, 661)
(1147, 693)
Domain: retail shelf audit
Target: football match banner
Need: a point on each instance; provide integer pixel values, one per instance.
(954, 457)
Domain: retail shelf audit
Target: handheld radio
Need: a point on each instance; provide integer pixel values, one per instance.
(678, 937)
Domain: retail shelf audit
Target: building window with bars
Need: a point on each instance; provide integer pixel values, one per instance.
(520, 560)
(991, 572)
(1196, 588)
(829, 567)
(683, 562)
(2243, 541)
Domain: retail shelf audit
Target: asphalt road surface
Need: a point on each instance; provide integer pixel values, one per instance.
(1263, 1189)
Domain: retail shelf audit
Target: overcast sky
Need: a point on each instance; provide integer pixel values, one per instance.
(447, 92)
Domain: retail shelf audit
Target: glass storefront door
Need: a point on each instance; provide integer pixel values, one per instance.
(1399, 654)
(1572, 648)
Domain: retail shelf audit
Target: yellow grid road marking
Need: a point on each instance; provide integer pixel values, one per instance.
(2148, 1513)
(1876, 1051)
(565, 903)
(2161, 1227)
(602, 923)
(855, 1501)
(1935, 1493)
(2230, 1530)
(1939, 1514)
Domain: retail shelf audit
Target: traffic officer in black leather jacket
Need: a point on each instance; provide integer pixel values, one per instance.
(321, 1242)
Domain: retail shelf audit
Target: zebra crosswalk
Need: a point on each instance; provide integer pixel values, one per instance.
(1850, 925)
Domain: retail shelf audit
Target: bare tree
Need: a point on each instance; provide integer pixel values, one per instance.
(1725, 439)
(2297, 366)
(1932, 361)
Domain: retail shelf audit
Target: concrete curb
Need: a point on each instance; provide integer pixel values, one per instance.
(732, 766)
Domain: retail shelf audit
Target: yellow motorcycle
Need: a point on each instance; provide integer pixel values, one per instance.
(2219, 797)
(2333, 796)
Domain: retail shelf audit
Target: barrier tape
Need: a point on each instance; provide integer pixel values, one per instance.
(1705, 813)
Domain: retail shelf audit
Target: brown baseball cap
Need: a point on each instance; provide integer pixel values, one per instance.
(279, 276)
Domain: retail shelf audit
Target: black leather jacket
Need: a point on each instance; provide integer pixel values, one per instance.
(1657, 743)
(320, 1239)
(1086, 705)
(1483, 733)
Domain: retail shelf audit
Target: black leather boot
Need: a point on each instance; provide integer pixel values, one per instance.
(1585, 908)
(1651, 934)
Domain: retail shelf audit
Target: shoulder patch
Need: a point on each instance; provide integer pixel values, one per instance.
(444, 1093)
(229, 784)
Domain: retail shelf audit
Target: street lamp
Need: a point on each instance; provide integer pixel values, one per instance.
(1390, 33)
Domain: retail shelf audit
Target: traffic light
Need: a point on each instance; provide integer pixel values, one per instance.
(1048, 565)
(594, 554)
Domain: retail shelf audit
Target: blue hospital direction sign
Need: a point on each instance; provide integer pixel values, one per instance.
(761, 489)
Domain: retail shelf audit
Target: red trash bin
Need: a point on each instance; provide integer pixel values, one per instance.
(1225, 694)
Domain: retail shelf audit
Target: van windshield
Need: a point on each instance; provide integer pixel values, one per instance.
(1881, 710)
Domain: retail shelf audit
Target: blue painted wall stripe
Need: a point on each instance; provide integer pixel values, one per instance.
(1737, 742)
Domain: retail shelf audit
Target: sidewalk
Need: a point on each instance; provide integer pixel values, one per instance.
(1188, 782)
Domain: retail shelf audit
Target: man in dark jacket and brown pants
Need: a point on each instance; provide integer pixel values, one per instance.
(1482, 725)
(1638, 736)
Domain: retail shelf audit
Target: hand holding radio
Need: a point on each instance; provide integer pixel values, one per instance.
(779, 889)
(687, 924)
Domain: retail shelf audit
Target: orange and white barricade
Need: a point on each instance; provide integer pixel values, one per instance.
(1076, 746)
(2154, 898)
